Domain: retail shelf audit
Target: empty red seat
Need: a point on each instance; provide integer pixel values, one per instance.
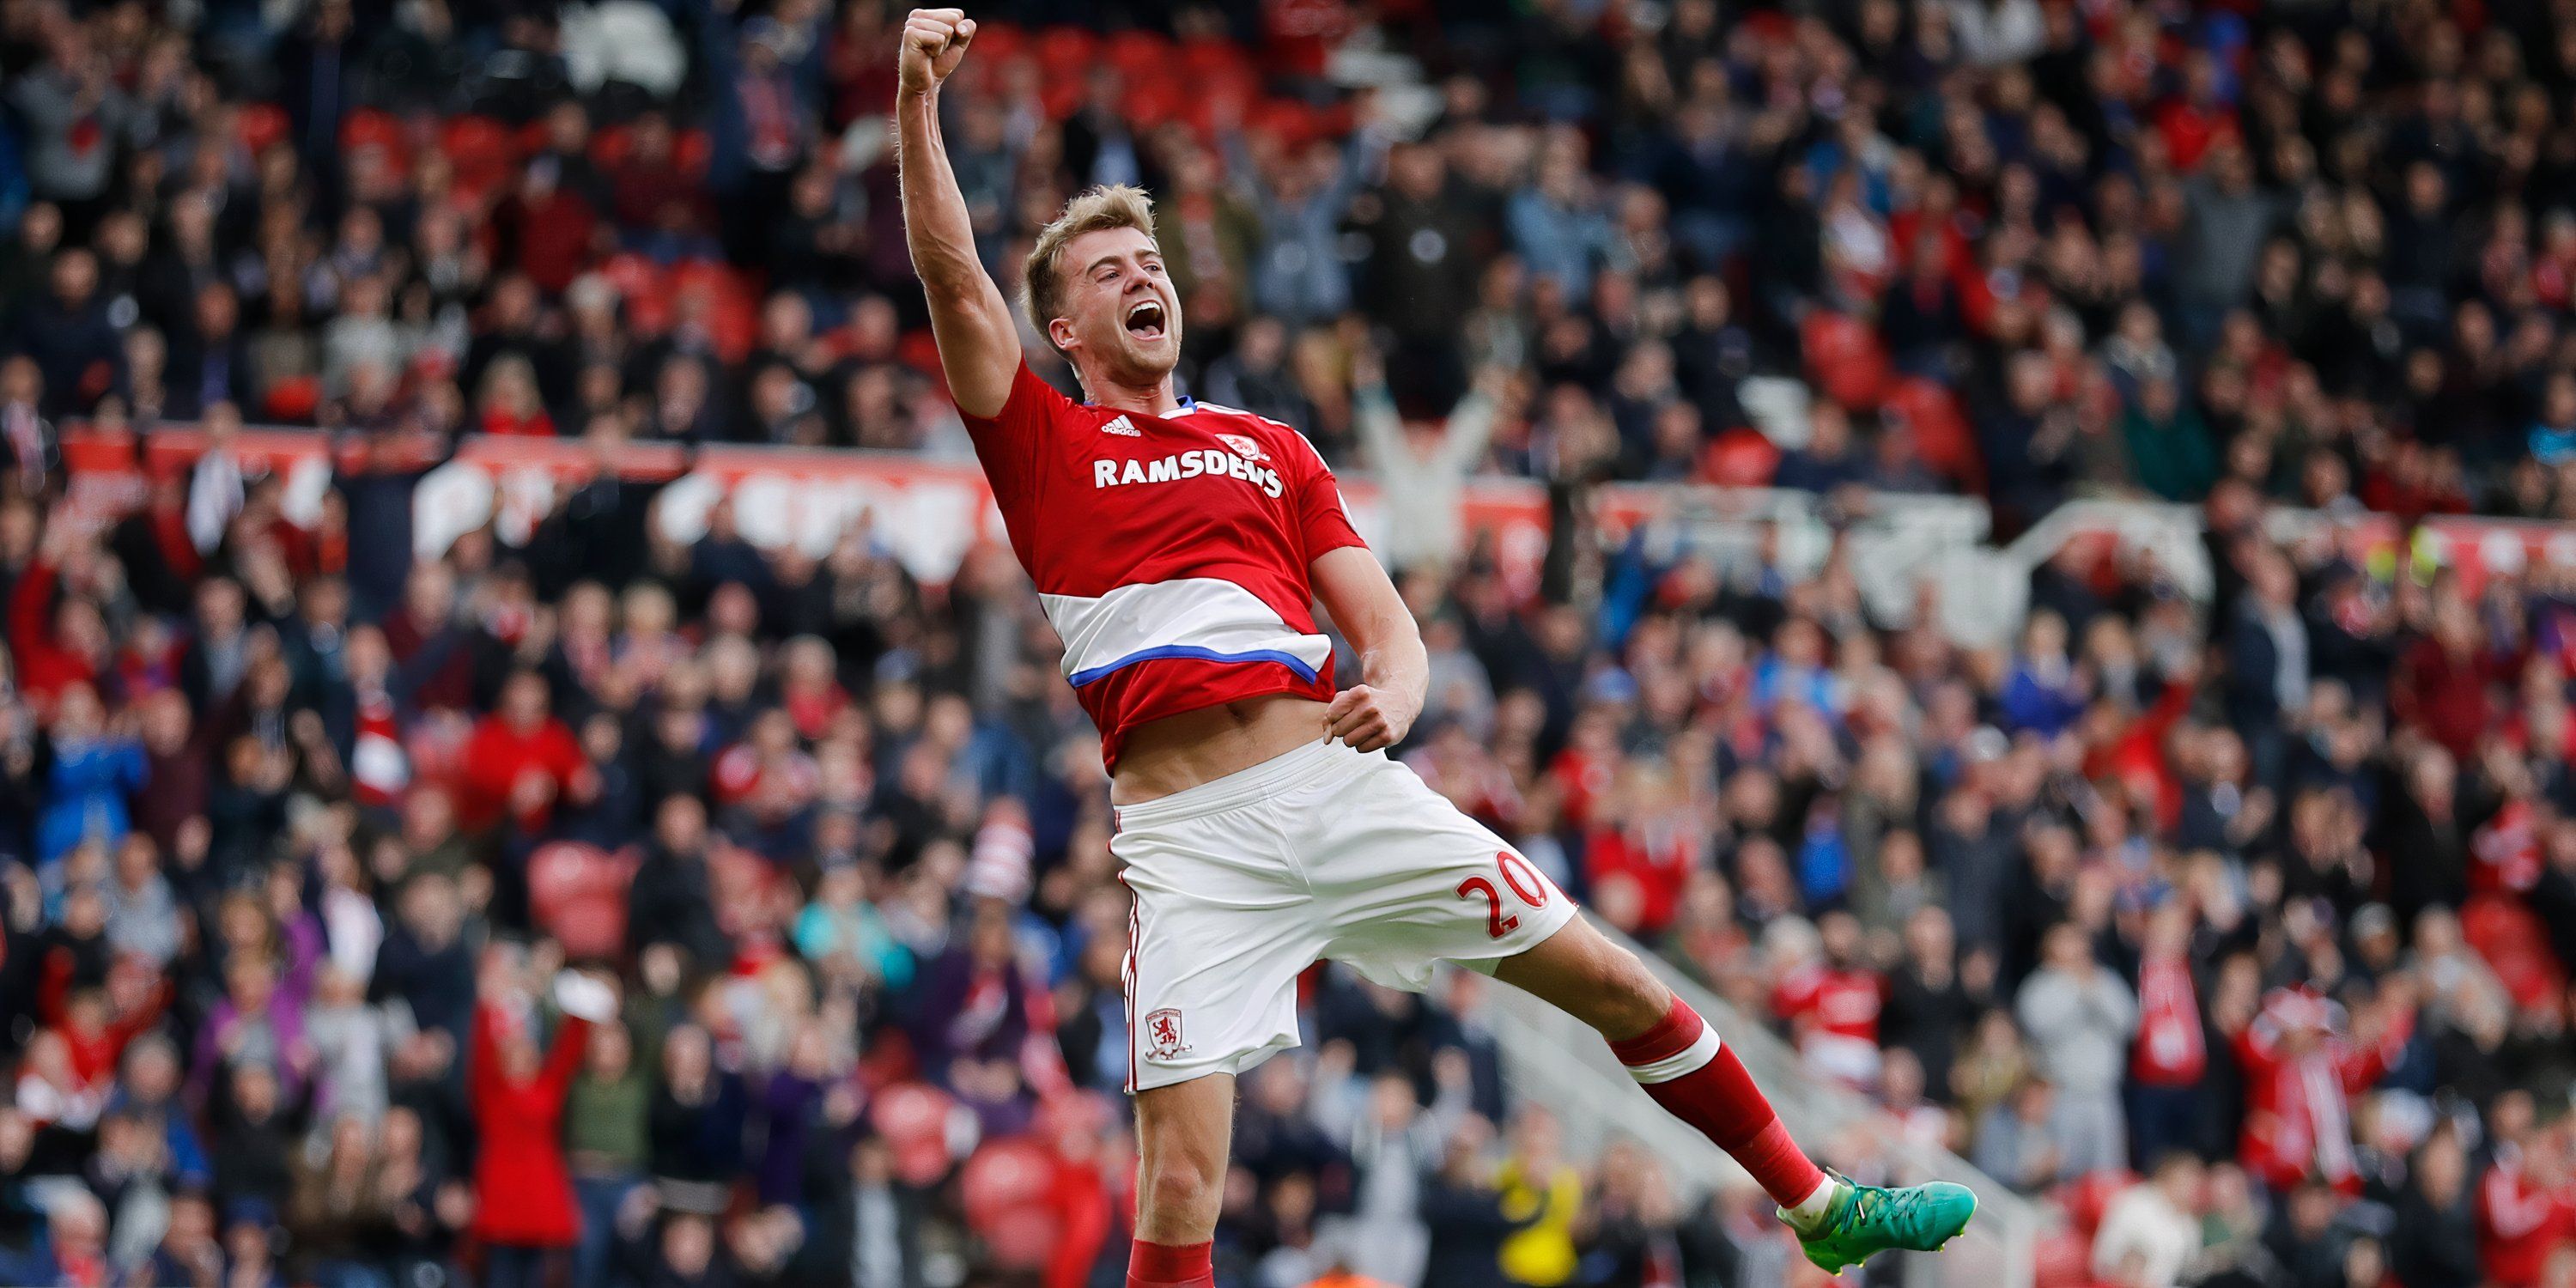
(1941, 428)
(1151, 102)
(912, 1117)
(2088, 1196)
(293, 400)
(261, 125)
(577, 892)
(1002, 1176)
(1844, 358)
(368, 127)
(1285, 119)
(1741, 457)
(610, 144)
(633, 275)
(2062, 1260)
(998, 41)
(1066, 49)
(1203, 58)
(481, 150)
(1008, 1189)
(1059, 96)
(1140, 54)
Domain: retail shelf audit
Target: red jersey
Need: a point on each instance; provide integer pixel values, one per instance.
(1832, 1000)
(2521, 1224)
(1171, 553)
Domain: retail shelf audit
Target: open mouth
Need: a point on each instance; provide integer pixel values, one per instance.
(1145, 321)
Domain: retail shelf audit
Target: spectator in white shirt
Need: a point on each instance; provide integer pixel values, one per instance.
(2151, 1231)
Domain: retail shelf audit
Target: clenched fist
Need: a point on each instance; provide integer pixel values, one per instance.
(934, 42)
(1367, 719)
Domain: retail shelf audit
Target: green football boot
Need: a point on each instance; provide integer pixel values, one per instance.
(1865, 1220)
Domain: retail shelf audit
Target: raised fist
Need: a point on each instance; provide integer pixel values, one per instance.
(934, 42)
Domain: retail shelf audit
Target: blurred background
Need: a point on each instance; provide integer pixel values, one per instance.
(2016, 548)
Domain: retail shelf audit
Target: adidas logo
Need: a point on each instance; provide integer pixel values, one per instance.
(1122, 425)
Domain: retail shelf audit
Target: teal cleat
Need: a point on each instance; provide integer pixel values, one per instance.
(1866, 1220)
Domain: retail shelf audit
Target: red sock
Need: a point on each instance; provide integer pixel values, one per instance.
(1170, 1265)
(1681, 1064)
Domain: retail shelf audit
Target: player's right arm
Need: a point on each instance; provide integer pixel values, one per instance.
(979, 346)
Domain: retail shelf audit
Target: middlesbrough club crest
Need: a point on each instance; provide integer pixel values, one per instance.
(1244, 447)
(1163, 1034)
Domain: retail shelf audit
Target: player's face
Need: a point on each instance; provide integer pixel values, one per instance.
(1120, 309)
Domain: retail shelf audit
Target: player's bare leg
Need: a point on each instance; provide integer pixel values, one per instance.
(1680, 1062)
(1182, 1134)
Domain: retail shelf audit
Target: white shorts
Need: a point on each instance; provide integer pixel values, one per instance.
(1243, 882)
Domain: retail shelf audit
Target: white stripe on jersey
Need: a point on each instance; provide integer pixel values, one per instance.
(1190, 617)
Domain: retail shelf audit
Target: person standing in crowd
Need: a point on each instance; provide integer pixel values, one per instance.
(525, 1212)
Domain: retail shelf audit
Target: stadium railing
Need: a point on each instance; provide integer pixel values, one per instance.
(1899, 545)
(1552, 1059)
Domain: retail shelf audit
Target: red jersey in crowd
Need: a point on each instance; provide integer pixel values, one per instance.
(1654, 856)
(2170, 1051)
(520, 1177)
(2300, 1077)
(1834, 1011)
(500, 755)
(2520, 1222)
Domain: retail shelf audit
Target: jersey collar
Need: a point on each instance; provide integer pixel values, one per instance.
(1188, 405)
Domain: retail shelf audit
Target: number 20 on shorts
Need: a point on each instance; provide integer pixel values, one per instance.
(1524, 881)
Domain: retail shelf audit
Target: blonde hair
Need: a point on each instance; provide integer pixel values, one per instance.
(1116, 205)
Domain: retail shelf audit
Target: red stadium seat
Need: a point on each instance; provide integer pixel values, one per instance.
(1008, 1193)
(2515, 943)
(1003, 1176)
(1291, 122)
(1941, 432)
(261, 124)
(913, 1119)
(577, 893)
(610, 144)
(2088, 1196)
(1234, 88)
(919, 350)
(1845, 359)
(1150, 103)
(368, 127)
(633, 276)
(1203, 59)
(293, 400)
(1060, 95)
(481, 149)
(1741, 457)
(1139, 55)
(2062, 1260)
(732, 305)
(735, 324)
(1066, 50)
(693, 149)
(997, 42)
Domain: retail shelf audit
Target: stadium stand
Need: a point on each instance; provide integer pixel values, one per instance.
(2019, 546)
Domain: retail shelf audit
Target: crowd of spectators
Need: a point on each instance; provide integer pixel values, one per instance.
(590, 908)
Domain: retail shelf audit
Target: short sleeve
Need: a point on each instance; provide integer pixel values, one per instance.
(1323, 519)
(1010, 442)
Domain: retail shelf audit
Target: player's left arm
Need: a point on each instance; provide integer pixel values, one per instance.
(1395, 671)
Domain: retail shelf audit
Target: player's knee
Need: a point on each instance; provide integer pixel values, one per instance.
(1177, 1187)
